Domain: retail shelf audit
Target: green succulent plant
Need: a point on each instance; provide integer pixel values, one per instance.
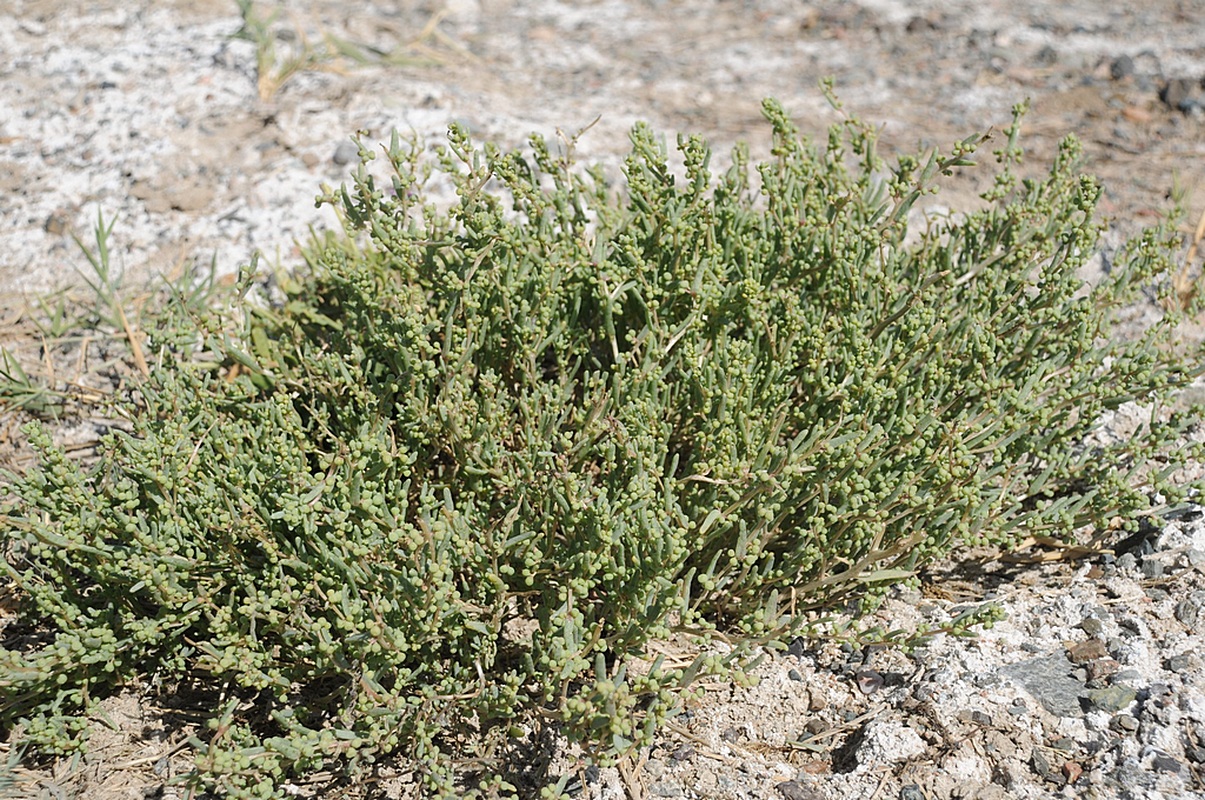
(478, 460)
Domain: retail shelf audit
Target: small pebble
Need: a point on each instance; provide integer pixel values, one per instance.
(1102, 668)
(1091, 626)
(1085, 651)
(731, 734)
(1124, 723)
(1178, 663)
(56, 224)
(1110, 698)
(346, 153)
(794, 790)
(794, 675)
(1188, 610)
(1046, 57)
(815, 726)
(1164, 763)
(1122, 67)
(911, 792)
(1177, 94)
(1040, 764)
(1132, 624)
(1160, 692)
(868, 681)
(1151, 568)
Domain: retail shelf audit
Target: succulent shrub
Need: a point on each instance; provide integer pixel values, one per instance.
(477, 460)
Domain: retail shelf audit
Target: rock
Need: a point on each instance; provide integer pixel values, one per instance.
(975, 717)
(1188, 610)
(56, 224)
(1102, 668)
(1048, 680)
(734, 734)
(919, 24)
(1162, 762)
(889, 743)
(346, 153)
(1046, 57)
(1186, 95)
(683, 752)
(794, 790)
(1121, 68)
(1124, 723)
(1040, 764)
(868, 681)
(1110, 698)
(1126, 676)
(1090, 650)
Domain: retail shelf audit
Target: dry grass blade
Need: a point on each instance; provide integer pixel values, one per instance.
(275, 68)
(1185, 284)
(1059, 551)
